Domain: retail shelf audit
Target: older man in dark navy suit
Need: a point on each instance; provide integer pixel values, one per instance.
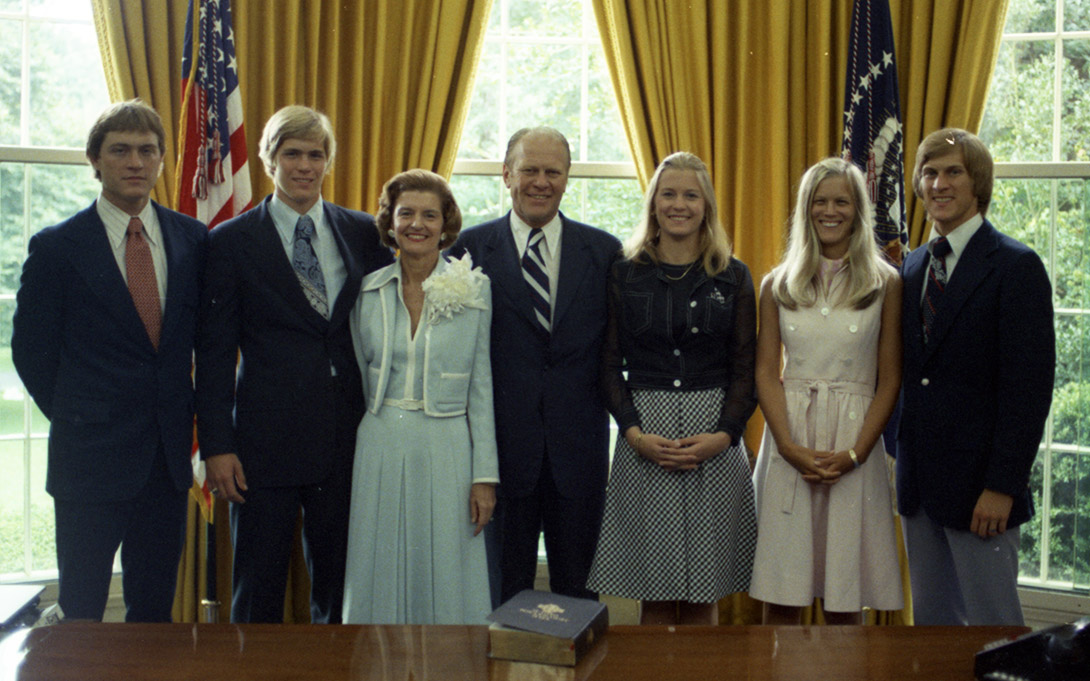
(278, 435)
(103, 338)
(979, 360)
(548, 321)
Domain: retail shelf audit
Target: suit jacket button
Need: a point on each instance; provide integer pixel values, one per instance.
(925, 381)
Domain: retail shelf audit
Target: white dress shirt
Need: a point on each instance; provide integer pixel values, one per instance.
(117, 227)
(550, 249)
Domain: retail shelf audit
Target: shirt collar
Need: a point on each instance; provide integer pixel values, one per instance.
(960, 236)
(521, 231)
(116, 221)
(285, 217)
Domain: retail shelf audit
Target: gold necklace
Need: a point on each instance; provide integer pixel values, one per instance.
(682, 275)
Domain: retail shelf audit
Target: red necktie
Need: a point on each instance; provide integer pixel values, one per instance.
(142, 285)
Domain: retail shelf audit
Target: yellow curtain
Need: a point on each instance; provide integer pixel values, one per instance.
(141, 47)
(394, 78)
(756, 89)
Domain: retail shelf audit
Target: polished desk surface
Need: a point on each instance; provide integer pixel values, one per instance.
(208, 652)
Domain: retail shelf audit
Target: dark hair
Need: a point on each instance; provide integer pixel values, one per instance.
(131, 116)
(418, 180)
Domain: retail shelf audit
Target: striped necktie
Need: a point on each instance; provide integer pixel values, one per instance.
(536, 275)
(936, 283)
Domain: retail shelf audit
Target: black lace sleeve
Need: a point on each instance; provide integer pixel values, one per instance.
(741, 396)
(614, 387)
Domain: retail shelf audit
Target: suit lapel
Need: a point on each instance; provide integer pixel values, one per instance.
(505, 270)
(176, 247)
(94, 259)
(353, 270)
(913, 272)
(972, 268)
(575, 264)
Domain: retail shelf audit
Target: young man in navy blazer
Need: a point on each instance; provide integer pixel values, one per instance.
(278, 433)
(104, 327)
(979, 360)
(551, 422)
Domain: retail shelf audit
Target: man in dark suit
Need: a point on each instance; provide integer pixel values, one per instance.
(979, 359)
(103, 340)
(548, 320)
(279, 433)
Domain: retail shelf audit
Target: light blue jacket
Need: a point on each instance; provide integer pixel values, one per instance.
(456, 336)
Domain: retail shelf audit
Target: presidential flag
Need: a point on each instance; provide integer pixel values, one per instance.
(873, 135)
(213, 174)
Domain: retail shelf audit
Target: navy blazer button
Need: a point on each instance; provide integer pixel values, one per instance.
(677, 383)
(925, 381)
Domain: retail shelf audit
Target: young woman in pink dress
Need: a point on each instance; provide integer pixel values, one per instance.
(832, 309)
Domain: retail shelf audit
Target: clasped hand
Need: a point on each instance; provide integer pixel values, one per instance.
(680, 455)
(816, 466)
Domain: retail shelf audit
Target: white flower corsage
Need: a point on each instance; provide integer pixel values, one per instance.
(457, 287)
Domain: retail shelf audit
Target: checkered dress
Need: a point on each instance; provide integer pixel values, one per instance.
(676, 535)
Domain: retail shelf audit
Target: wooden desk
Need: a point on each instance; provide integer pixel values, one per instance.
(223, 652)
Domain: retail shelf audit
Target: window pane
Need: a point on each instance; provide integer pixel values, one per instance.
(1029, 554)
(12, 474)
(605, 137)
(1022, 209)
(544, 96)
(1030, 16)
(1073, 244)
(560, 18)
(481, 198)
(11, 388)
(613, 205)
(1076, 15)
(43, 534)
(1071, 399)
(1075, 116)
(66, 88)
(58, 192)
(480, 135)
(11, 5)
(1069, 545)
(12, 220)
(10, 72)
(61, 9)
(1017, 123)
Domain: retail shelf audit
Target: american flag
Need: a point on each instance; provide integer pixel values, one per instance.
(213, 173)
(873, 135)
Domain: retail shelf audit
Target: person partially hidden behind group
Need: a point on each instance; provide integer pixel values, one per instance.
(423, 484)
(679, 527)
(832, 307)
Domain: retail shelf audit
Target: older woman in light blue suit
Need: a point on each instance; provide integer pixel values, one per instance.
(423, 484)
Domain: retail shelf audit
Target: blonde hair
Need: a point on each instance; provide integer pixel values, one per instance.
(715, 246)
(296, 122)
(795, 279)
